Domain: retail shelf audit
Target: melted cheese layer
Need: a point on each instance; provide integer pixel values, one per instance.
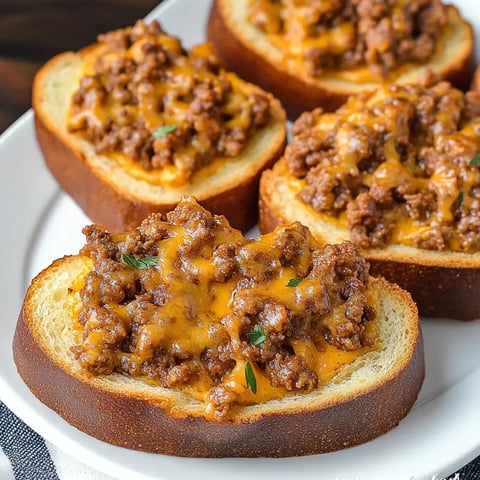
(161, 112)
(209, 305)
(410, 150)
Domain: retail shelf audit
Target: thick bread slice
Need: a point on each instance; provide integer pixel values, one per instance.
(245, 50)
(442, 283)
(106, 191)
(365, 399)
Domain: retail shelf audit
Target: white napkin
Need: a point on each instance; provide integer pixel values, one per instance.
(69, 468)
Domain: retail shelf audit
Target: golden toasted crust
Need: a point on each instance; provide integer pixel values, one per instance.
(109, 195)
(475, 85)
(439, 291)
(443, 284)
(242, 49)
(127, 412)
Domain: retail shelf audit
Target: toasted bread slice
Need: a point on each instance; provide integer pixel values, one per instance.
(363, 400)
(442, 283)
(109, 193)
(246, 50)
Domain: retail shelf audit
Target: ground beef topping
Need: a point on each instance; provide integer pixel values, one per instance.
(161, 110)
(188, 302)
(343, 34)
(400, 165)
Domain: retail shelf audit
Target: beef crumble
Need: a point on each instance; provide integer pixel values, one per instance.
(184, 318)
(166, 109)
(400, 165)
(342, 34)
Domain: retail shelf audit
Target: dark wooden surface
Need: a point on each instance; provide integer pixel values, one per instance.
(31, 31)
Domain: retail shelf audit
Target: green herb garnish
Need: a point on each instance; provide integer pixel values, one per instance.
(460, 199)
(163, 131)
(256, 336)
(475, 160)
(293, 282)
(250, 378)
(140, 264)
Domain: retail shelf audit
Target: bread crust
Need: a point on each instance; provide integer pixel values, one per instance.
(141, 422)
(443, 285)
(296, 90)
(475, 85)
(95, 190)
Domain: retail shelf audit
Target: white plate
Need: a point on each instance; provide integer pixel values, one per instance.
(40, 223)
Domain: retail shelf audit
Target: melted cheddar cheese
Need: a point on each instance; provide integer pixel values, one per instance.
(358, 43)
(395, 166)
(189, 323)
(162, 113)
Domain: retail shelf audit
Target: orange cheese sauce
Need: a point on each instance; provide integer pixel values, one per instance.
(338, 32)
(121, 106)
(205, 311)
(413, 150)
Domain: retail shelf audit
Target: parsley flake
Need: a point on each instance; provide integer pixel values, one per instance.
(293, 282)
(257, 335)
(139, 264)
(250, 378)
(475, 160)
(163, 131)
(460, 199)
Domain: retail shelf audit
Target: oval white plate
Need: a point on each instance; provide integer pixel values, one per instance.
(40, 223)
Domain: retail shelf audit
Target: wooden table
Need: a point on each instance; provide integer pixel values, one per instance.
(32, 31)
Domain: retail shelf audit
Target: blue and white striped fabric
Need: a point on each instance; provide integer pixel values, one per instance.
(24, 455)
(25, 450)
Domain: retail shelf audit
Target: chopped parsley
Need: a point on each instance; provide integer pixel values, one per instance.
(140, 264)
(163, 131)
(250, 378)
(475, 160)
(293, 282)
(257, 335)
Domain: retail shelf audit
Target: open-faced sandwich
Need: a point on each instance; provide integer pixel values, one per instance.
(397, 172)
(183, 337)
(130, 124)
(315, 54)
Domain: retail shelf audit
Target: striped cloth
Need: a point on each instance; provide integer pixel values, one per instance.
(24, 455)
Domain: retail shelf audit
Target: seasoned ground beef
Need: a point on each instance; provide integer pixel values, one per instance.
(186, 301)
(144, 96)
(400, 165)
(338, 34)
